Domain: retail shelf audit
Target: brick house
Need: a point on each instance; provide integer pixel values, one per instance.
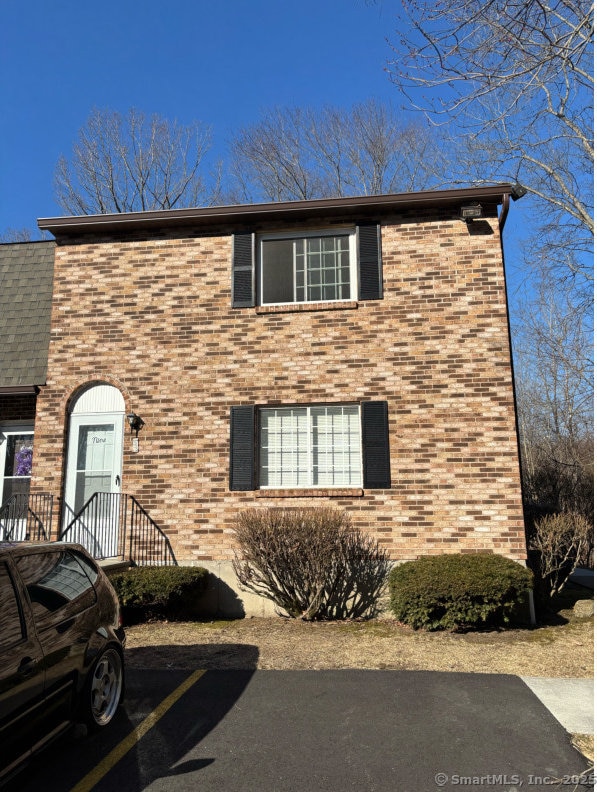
(351, 352)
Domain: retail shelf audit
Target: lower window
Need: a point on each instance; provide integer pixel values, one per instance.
(16, 454)
(317, 446)
(302, 447)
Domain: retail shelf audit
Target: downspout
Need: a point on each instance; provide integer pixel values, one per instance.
(504, 214)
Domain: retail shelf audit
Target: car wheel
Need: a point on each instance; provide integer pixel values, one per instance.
(104, 688)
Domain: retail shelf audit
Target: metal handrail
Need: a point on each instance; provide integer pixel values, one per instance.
(98, 526)
(27, 517)
(109, 523)
(143, 530)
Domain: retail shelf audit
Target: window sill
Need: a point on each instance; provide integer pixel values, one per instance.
(348, 492)
(311, 306)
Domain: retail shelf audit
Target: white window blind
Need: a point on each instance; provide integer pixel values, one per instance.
(316, 446)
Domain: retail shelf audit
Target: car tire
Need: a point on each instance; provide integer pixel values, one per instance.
(104, 689)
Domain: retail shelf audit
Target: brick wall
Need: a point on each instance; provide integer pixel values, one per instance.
(17, 408)
(153, 316)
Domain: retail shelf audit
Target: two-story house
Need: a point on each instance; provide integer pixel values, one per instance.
(352, 352)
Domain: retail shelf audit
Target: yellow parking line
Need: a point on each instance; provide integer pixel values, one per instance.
(108, 762)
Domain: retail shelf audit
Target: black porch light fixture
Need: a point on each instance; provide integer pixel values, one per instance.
(518, 191)
(135, 422)
(471, 212)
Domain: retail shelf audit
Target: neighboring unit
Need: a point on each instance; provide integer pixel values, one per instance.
(26, 272)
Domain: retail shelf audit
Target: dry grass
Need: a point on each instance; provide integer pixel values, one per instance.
(585, 744)
(564, 650)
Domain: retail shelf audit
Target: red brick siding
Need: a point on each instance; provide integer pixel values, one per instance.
(154, 317)
(17, 408)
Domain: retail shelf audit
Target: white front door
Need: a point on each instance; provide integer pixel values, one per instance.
(94, 457)
(94, 465)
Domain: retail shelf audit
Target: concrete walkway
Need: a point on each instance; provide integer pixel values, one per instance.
(570, 701)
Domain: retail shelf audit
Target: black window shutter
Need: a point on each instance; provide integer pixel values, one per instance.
(370, 280)
(242, 448)
(376, 445)
(243, 271)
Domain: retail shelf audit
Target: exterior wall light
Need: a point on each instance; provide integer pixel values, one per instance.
(518, 191)
(470, 212)
(135, 422)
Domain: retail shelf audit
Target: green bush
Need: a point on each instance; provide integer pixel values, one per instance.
(451, 592)
(165, 592)
(311, 563)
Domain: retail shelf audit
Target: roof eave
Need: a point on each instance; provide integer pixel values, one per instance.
(19, 390)
(244, 213)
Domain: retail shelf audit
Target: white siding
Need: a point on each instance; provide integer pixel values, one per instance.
(99, 399)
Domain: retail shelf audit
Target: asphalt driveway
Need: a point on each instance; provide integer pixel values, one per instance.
(306, 731)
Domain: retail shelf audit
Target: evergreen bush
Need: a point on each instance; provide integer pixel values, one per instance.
(451, 592)
(164, 592)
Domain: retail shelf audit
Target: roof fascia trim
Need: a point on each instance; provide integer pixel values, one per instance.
(64, 226)
(19, 390)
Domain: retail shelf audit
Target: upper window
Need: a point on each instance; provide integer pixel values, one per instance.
(316, 267)
(329, 265)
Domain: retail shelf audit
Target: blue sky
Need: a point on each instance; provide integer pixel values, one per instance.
(219, 63)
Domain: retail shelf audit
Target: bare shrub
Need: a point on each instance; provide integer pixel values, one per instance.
(562, 541)
(310, 562)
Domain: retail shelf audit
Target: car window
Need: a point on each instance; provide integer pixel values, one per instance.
(88, 566)
(57, 585)
(11, 625)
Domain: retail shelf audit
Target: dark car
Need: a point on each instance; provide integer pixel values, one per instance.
(61, 647)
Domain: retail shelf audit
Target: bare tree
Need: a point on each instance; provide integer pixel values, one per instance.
(563, 542)
(270, 159)
(511, 82)
(17, 235)
(134, 163)
(23, 235)
(514, 79)
(302, 153)
(554, 379)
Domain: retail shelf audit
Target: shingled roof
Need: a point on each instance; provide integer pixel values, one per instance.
(26, 279)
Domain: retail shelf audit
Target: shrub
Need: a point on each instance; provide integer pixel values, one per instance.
(452, 592)
(560, 542)
(310, 562)
(165, 592)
